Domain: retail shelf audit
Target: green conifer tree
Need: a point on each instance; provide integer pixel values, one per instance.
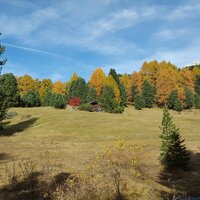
(173, 151)
(197, 101)
(189, 99)
(133, 92)
(148, 93)
(139, 102)
(197, 85)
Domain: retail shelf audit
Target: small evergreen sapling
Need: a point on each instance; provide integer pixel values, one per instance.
(173, 152)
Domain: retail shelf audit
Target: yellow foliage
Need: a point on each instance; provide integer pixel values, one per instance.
(97, 80)
(126, 81)
(58, 87)
(110, 81)
(137, 80)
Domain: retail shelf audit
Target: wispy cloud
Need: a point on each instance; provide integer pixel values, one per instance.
(30, 49)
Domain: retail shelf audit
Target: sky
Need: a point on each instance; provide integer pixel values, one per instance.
(55, 38)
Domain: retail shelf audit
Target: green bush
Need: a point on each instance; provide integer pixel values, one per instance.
(31, 99)
(85, 107)
(58, 101)
(118, 109)
(197, 101)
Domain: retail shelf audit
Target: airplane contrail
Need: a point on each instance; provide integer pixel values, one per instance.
(29, 49)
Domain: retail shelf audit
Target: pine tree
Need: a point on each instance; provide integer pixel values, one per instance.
(31, 99)
(133, 92)
(172, 99)
(197, 85)
(139, 102)
(173, 151)
(8, 84)
(148, 93)
(189, 99)
(91, 96)
(197, 101)
(178, 105)
(123, 95)
(47, 98)
(3, 105)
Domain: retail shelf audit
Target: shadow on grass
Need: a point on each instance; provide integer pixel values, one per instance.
(186, 182)
(32, 188)
(16, 128)
(4, 156)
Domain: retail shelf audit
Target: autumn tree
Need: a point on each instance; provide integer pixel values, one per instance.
(167, 81)
(150, 71)
(110, 81)
(97, 80)
(9, 86)
(148, 94)
(45, 84)
(26, 83)
(173, 151)
(137, 80)
(58, 88)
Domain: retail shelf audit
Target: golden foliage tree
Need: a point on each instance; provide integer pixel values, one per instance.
(44, 85)
(26, 83)
(97, 80)
(58, 88)
(167, 82)
(110, 81)
(137, 80)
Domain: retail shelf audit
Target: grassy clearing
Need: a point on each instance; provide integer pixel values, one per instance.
(73, 137)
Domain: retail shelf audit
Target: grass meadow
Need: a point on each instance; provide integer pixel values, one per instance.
(72, 139)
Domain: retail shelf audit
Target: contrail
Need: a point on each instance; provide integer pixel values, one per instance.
(29, 49)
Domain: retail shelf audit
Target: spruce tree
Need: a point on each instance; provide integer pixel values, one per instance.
(3, 105)
(47, 98)
(31, 99)
(189, 99)
(91, 96)
(139, 102)
(197, 85)
(173, 97)
(123, 95)
(173, 152)
(178, 105)
(197, 101)
(133, 92)
(148, 93)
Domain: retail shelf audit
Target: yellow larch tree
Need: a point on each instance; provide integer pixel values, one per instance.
(126, 81)
(58, 88)
(110, 81)
(97, 80)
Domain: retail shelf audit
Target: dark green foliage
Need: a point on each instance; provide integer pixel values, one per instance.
(173, 151)
(133, 92)
(139, 102)
(108, 102)
(47, 98)
(91, 95)
(197, 85)
(114, 75)
(9, 86)
(178, 105)
(58, 101)
(123, 95)
(148, 93)
(197, 101)
(31, 99)
(3, 108)
(85, 107)
(172, 99)
(78, 89)
(189, 99)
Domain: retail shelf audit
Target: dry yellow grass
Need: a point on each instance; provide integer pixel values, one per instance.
(73, 137)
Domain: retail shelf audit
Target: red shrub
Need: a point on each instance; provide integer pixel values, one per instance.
(75, 101)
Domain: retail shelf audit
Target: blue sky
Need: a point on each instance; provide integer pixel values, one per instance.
(54, 38)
